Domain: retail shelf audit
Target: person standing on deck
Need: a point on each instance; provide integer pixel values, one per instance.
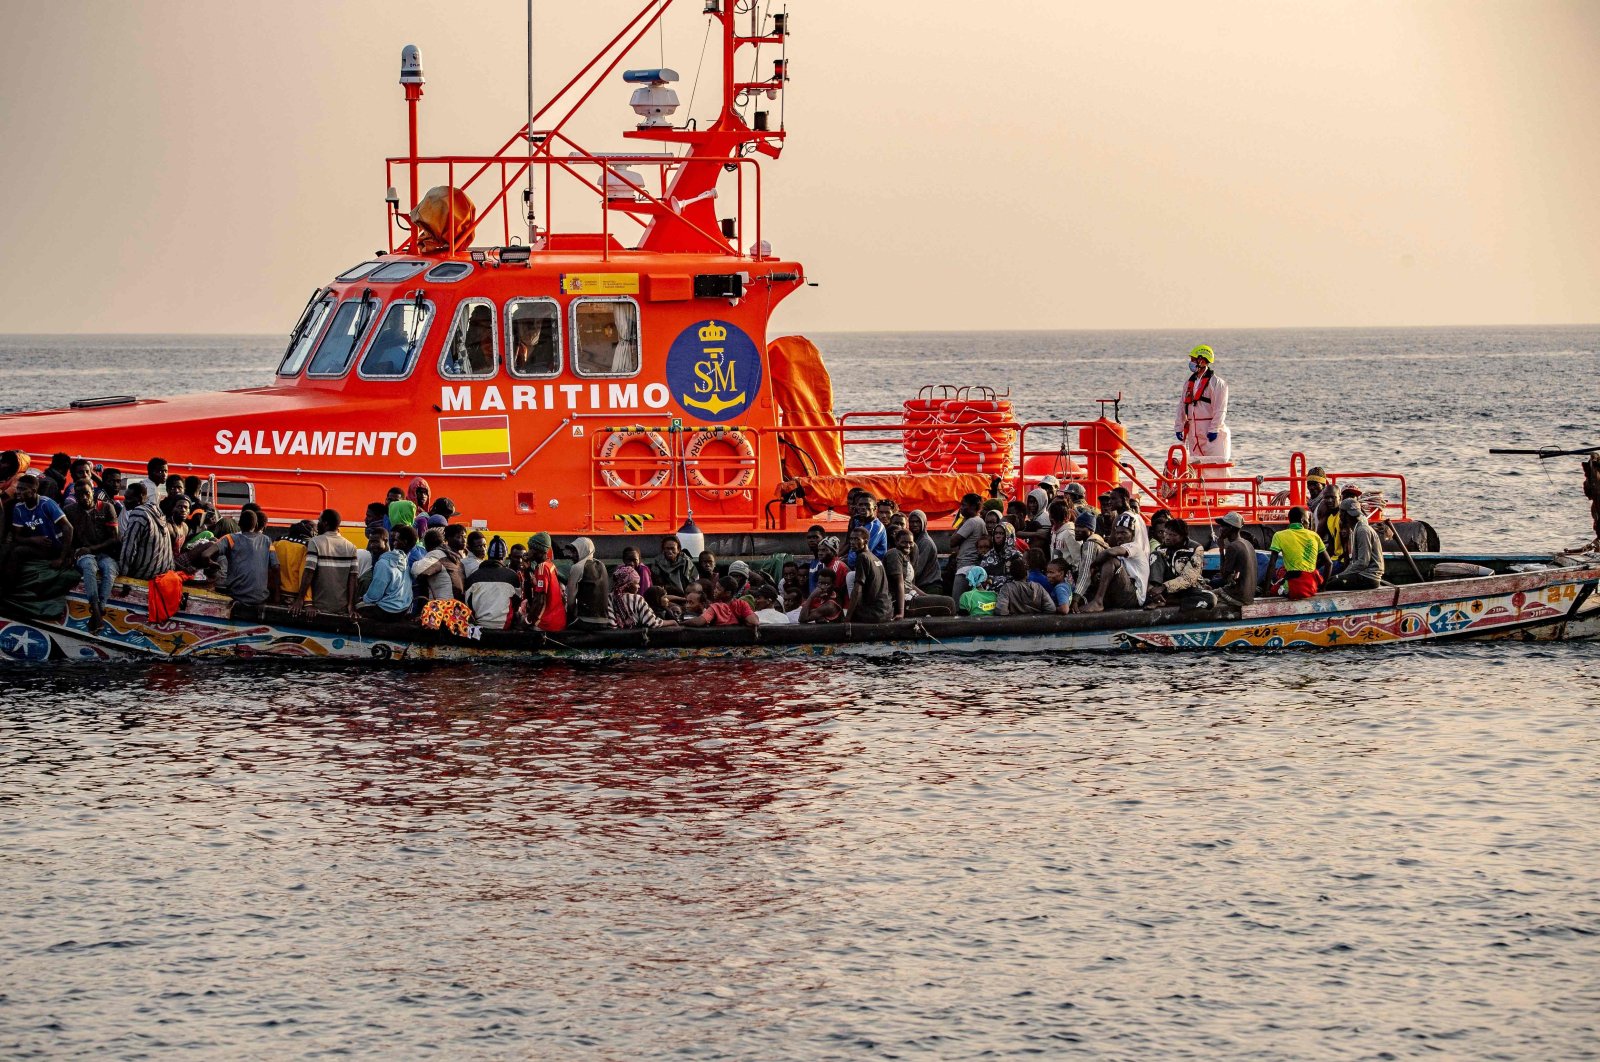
(1202, 420)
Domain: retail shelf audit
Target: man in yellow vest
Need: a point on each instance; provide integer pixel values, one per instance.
(1202, 420)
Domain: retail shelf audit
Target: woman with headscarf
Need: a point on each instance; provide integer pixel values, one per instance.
(997, 562)
(417, 493)
(925, 570)
(588, 589)
(629, 610)
(980, 600)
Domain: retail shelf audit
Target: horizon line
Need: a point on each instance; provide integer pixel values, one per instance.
(966, 331)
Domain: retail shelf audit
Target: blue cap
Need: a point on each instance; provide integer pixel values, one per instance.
(1085, 520)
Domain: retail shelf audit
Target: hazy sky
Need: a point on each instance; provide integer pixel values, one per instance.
(202, 165)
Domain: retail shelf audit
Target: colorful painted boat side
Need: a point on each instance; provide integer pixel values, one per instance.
(1555, 604)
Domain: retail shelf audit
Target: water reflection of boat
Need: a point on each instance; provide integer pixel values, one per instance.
(1554, 601)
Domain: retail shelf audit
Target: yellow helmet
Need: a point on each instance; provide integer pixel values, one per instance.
(1204, 353)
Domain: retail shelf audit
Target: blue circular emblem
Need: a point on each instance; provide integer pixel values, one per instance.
(21, 642)
(713, 370)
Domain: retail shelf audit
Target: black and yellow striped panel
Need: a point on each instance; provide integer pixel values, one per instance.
(634, 521)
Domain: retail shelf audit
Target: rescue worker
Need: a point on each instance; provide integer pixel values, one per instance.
(1202, 420)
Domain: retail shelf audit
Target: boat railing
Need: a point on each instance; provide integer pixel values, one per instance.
(607, 178)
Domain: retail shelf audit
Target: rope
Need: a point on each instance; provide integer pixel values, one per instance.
(698, 70)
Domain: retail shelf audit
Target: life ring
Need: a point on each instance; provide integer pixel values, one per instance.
(743, 452)
(613, 478)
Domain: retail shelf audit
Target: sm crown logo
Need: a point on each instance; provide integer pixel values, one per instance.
(714, 370)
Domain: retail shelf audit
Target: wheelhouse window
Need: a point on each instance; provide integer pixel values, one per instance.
(472, 351)
(344, 335)
(605, 337)
(357, 272)
(393, 353)
(533, 337)
(304, 336)
(393, 271)
(448, 272)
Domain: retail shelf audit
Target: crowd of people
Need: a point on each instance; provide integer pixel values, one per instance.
(1049, 553)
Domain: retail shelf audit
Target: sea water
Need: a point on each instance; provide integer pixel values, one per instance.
(1359, 854)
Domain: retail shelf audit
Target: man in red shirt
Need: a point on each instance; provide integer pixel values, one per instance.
(726, 610)
(546, 600)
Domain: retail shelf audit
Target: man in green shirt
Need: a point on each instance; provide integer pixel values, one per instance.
(1302, 554)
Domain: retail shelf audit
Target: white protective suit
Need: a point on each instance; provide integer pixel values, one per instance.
(1202, 421)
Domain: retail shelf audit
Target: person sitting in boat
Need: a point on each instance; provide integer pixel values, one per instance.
(1236, 579)
(494, 591)
(55, 478)
(1302, 555)
(97, 543)
(870, 600)
(768, 614)
(41, 570)
(155, 474)
(910, 599)
(979, 601)
(588, 589)
(725, 610)
(740, 572)
(1177, 570)
(827, 559)
(705, 567)
(1036, 528)
(546, 604)
(631, 559)
(1118, 578)
(439, 570)
(1364, 569)
(389, 593)
(1201, 423)
(925, 572)
(862, 516)
(673, 571)
(997, 559)
(628, 608)
(823, 606)
(455, 540)
(1061, 586)
(656, 597)
(146, 538)
(791, 579)
(1021, 596)
(964, 544)
(251, 561)
(1333, 534)
(330, 569)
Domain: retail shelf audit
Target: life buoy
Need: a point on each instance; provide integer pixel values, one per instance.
(613, 478)
(744, 460)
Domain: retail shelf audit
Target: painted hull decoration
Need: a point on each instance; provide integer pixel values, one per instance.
(1550, 605)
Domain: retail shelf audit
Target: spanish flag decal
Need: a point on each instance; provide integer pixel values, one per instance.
(474, 442)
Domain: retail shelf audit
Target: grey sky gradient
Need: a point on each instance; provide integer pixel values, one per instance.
(201, 165)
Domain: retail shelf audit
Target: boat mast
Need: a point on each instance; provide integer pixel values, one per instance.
(527, 196)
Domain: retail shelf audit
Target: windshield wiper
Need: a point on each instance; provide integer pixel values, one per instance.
(305, 320)
(418, 306)
(361, 317)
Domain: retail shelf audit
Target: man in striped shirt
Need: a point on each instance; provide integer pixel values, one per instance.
(330, 569)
